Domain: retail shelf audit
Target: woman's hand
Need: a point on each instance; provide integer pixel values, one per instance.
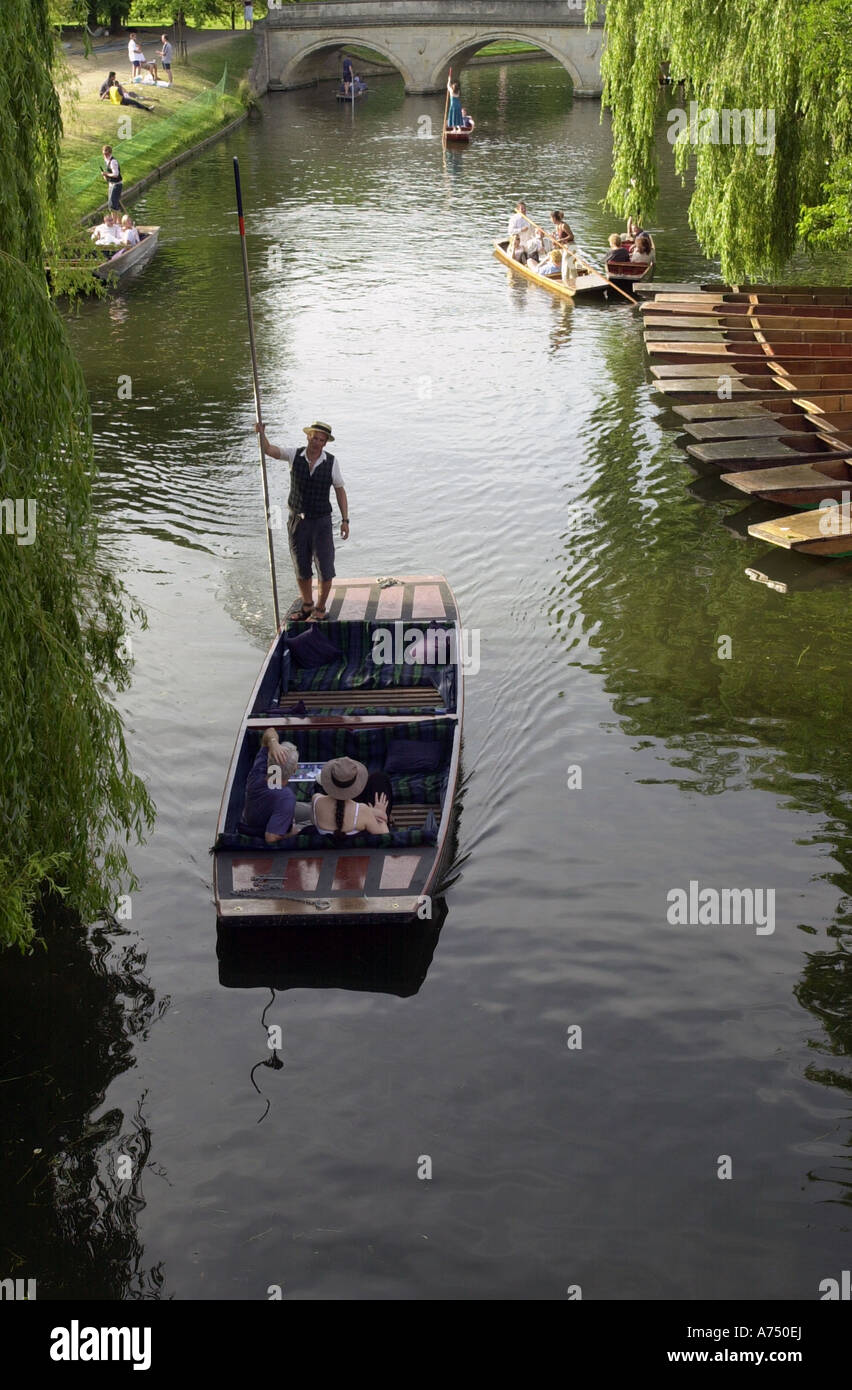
(380, 806)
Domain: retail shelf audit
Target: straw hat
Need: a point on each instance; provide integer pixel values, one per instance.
(318, 425)
(343, 778)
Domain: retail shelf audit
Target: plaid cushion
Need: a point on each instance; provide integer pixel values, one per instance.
(311, 839)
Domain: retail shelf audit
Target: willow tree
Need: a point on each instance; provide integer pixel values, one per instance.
(68, 800)
(784, 65)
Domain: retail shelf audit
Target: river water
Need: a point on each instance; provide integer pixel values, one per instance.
(611, 755)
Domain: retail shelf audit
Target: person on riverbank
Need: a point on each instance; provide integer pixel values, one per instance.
(112, 90)
(138, 61)
(313, 473)
(166, 57)
(112, 174)
(454, 113)
(269, 811)
(248, 16)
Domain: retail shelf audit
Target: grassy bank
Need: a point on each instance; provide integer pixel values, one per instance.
(197, 105)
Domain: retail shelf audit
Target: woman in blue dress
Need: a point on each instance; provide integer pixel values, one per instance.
(454, 114)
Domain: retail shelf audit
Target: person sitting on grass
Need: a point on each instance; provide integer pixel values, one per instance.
(112, 90)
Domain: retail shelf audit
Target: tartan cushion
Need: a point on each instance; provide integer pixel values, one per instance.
(311, 839)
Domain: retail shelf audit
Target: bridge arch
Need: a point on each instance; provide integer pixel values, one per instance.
(291, 73)
(461, 54)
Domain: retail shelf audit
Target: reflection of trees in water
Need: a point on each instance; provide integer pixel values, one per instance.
(648, 583)
(72, 1016)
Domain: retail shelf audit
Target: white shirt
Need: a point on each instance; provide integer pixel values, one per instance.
(519, 226)
(130, 236)
(134, 52)
(336, 475)
(106, 235)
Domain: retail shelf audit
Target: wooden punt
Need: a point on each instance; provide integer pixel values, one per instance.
(368, 880)
(622, 274)
(754, 334)
(699, 324)
(713, 308)
(825, 531)
(360, 91)
(756, 351)
(561, 288)
(460, 137)
(740, 454)
(768, 425)
(763, 296)
(757, 366)
(706, 287)
(133, 258)
(698, 390)
(811, 484)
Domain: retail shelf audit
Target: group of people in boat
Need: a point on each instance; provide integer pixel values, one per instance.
(556, 255)
(351, 800)
(457, 116)
(116, 234)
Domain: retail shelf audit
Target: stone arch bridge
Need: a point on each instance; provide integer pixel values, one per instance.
(423, 38)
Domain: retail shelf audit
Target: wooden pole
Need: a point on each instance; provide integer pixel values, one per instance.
(566, 246)
(257, 414)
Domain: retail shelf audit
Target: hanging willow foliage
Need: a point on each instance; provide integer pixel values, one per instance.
(68, 799)
(790, 60)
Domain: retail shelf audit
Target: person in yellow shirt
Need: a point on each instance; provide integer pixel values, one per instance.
(112, 90)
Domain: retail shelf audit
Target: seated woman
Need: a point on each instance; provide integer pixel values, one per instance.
(112, 90)
(643, 250)
(516, 250)
(467, 120)
(354, 800)
(269, 811)
(552, 267)
(535, 247)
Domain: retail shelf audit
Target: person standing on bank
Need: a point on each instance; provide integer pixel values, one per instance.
(112, 173)
(313, 473)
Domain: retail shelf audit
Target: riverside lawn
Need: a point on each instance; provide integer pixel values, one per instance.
(91, 123)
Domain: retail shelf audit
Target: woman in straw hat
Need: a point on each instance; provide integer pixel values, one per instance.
(354, 800)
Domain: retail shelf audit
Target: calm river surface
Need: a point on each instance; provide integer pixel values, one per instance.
(514, 444)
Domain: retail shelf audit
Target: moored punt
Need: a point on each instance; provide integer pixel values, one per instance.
(732, 410)
(825, 531)
(798, 485)
(698, 390)
(392, 697)
(753, 333)
(756, 350)
(133, 257)
(768, 425)
(699, 324)
(460, 137)
(703, 297)
(562, 289)
(740, 454)
(743, 313)
(756, 366)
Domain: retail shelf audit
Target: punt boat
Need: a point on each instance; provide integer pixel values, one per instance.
(752, 366)
(562, 289)
(827, 405)
(361, 90)
(740, 454)
(391, 698)
(717, 323)
(698, 390)
(825, 531)
(800, 485)
(460, 137)
(755, 351)
(133, 257)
